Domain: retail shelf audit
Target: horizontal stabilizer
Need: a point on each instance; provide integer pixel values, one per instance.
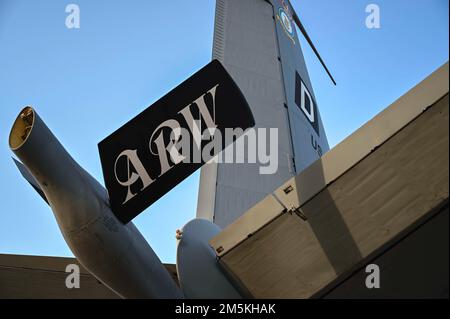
(27, 175)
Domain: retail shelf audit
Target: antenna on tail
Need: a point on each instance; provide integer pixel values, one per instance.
(308, 39)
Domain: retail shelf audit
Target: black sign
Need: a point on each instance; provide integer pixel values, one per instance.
(306, 103)
(171, 139)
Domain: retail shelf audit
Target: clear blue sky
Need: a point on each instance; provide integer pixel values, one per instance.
(87, 82)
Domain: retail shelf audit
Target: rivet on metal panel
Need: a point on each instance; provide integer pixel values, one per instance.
(288, 189)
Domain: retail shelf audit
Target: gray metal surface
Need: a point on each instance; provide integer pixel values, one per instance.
(341, 158)
(246, 225)
(199, 273)
(305, 140)
(370, 207)
(30, 179)
(116, 254)
(416, 267)
(245, 41)
(43, 277)
(366, 139)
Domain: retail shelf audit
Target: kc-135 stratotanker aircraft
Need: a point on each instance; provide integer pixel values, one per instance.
(258, 79)
(108, 244)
